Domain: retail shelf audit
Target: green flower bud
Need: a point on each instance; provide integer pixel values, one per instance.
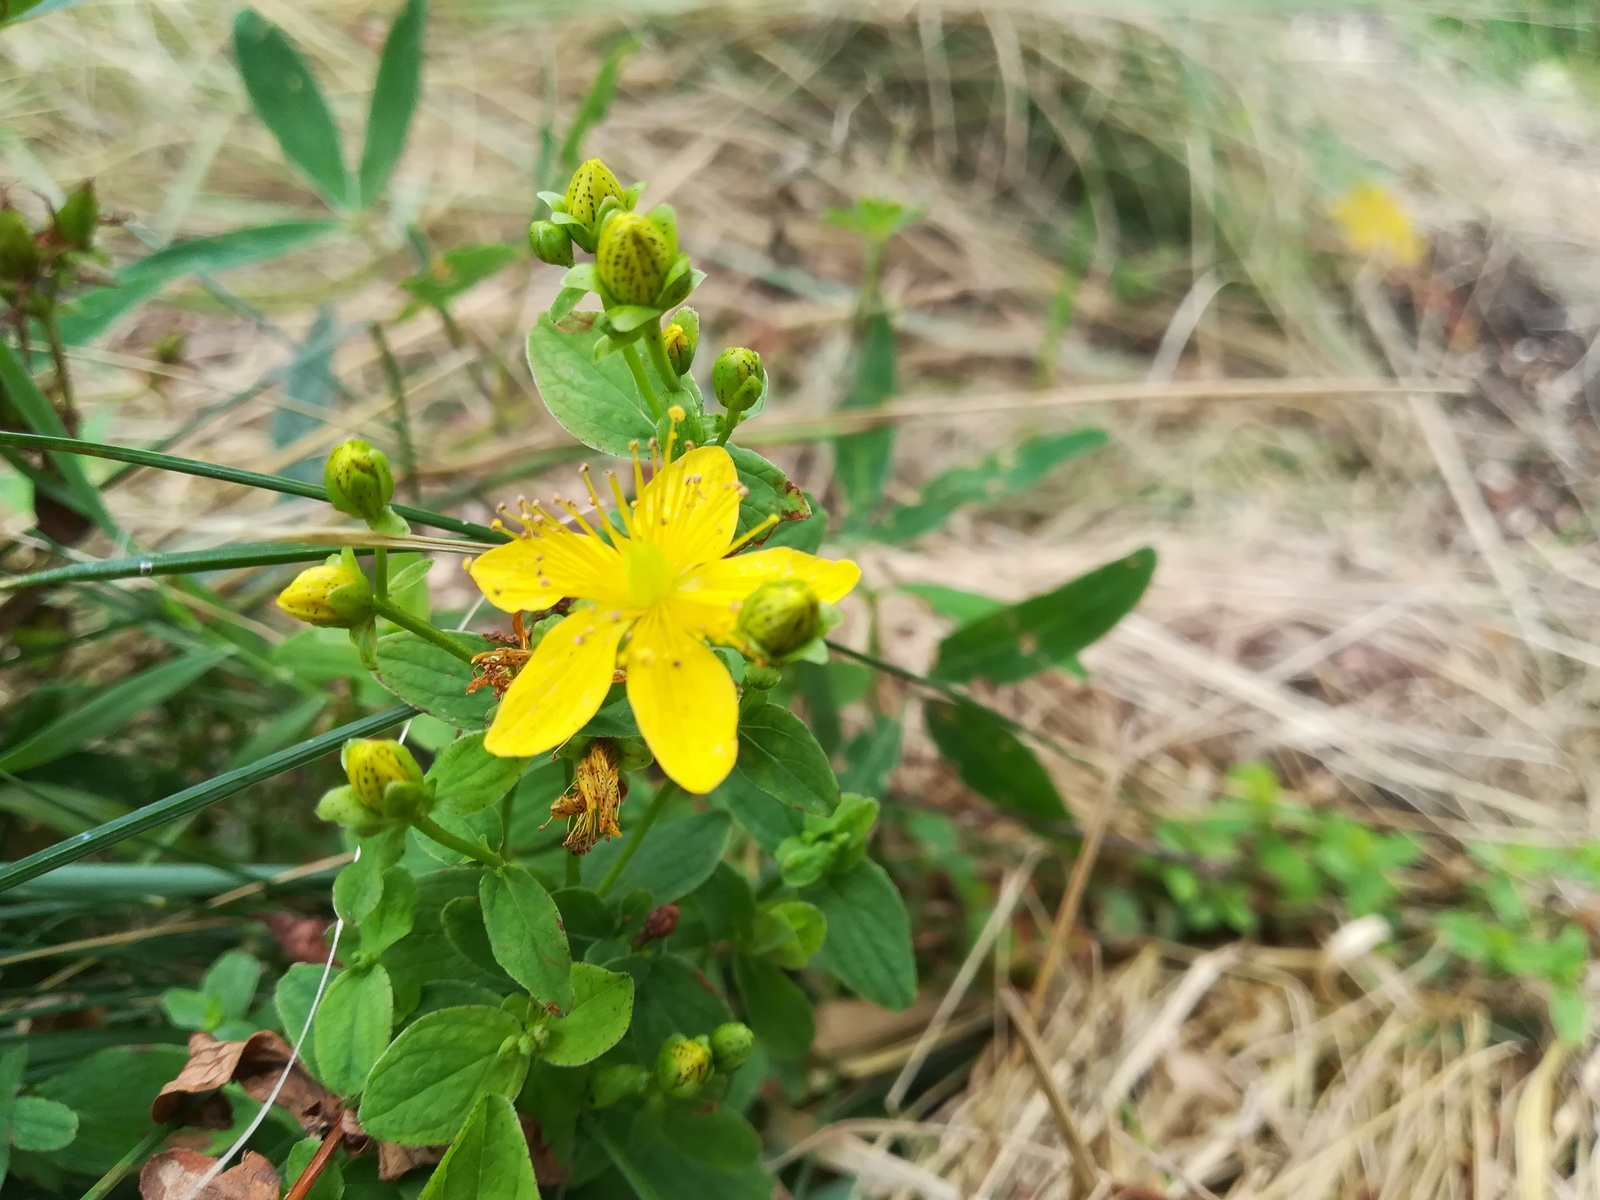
(333, 595)
(731, 1045)
(805, 859)
(590, 184)
(761, 678)
(854, 818)
(780, 617)
(632, 259)
(359, 481)
(738, 378)
(617, 1082)
(79, 217)
(19, 254)
(551, 243)
(342, 806)
(683, 1066)
(681, 339)
(374, 765)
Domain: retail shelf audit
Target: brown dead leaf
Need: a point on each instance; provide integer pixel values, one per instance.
(255, 1064)
(303, 939)
(548, 1170)
(172, 1175)
(394, 1161)
(211, 1064)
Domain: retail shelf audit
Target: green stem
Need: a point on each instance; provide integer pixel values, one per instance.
(390, 611)
(380, 573)
(141, 1150)
(431, 828)
(58, 355)
(631, 846)
(630, 355)
(402, 413)
(658, 356)
(870, 301)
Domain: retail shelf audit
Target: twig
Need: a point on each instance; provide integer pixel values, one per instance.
(1083, 1167)
(319, 1162)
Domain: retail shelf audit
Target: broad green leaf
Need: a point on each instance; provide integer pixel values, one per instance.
(293, 996)
(602, 1006)
(675, 859)
(41, 417)
(110, 1119)
(93, 313)
(670, 995)
(468, 777)
(1569, 1015)
(861, 461)
(869, 934)
(596, 402)
(774, 1006)
(807, 533)
(462, 920)
(779, 755)
(232, 979)
(758, 813)
(1046, 630)
(430, 1077)
(352, 1027)
(109, 710)
(726, 904)
(426, 955)
(42, 1125)
(991, 481)
(769, 492)
(358, 888)
(290, 103)
(991, 760)
(433, 679)
(394, 914)
(489, 1158)
(13, 1062)
(394, 100)
(329, 1184)
(871, 755)
(719, 1137)
(457, 271)
(187, 1008)
(789, 933)
(656, 1169)
(525, 933)
(952, 603)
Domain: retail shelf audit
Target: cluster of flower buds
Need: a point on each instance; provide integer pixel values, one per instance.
(782, 621)
(685, 1068)
(828, 844)
(360, 484)
(386, 789)
(34, 264)
(593, 193)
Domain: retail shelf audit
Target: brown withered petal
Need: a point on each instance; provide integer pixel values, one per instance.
(172, 1175)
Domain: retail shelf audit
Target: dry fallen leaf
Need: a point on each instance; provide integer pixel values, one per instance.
(394, 1161)
(172, 1175)
(255, 1064)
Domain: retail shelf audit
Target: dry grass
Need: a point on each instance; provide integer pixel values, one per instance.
(1389, 594)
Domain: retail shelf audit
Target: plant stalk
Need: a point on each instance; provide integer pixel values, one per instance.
(641, 380)
(658, 356)
(402, 414)
(431, 828)
(380, 573)
(631, 846)
(392, 612)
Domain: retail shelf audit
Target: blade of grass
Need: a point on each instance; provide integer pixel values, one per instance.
(394, 100)
(205, 470)
(251, 554)
(290, 103)
(193, 799)
(35, 408)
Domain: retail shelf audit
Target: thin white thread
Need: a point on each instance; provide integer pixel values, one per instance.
(316, 1002)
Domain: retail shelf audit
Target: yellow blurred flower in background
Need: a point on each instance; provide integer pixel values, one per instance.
(1376, 225)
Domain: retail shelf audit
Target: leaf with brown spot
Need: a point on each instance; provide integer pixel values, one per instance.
(173, 1174)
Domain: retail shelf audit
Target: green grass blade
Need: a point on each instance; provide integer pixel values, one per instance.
(290, 103)
(109, 711)
(394, 100)
(90, 315)
(193, 466)
(595, 105)
(252, 554)
(39, 8)
(35, 408)
(181, 804)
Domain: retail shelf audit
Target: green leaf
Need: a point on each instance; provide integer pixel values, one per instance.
(1045, 630)
(775, 1007)
(482, 828)
(93, 313)
(109, 710)
(726, 904)
(670, 996)
(861, 461)
(675, 859)
(779, 755)
(432, 1075)
(13, 1063)
(26, 10)
(434, 679)
(329, 1184)
(1569, 1015)
(991, 760)
(807, 533)
(596, 102)
(393, 916)
(758, 813)
(489, 1158)
(719, 1138)
(871, 755)
(656, 1169)
(952, 603)
(110, 1119)
(457, 271)
(232, 979)
(42, 1125)
(602, 1006)
(290, 103)
(359, 886)
(789, 933)
(352, 1027)
(190, 1009)
(462, 919)
(596, 402)
(869, 934)
(394, 100)
(470, 778)
(991, 481)
(769, 492)
(293, 997)
(18, 387)
(525, 933)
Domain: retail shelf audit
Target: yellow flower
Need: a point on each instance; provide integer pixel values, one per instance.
(654, 593)
(1376, 226)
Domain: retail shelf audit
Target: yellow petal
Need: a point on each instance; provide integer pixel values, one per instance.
(717, 589)
(691, 508)
(546, 564)
(561, 686)
(684, 701)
